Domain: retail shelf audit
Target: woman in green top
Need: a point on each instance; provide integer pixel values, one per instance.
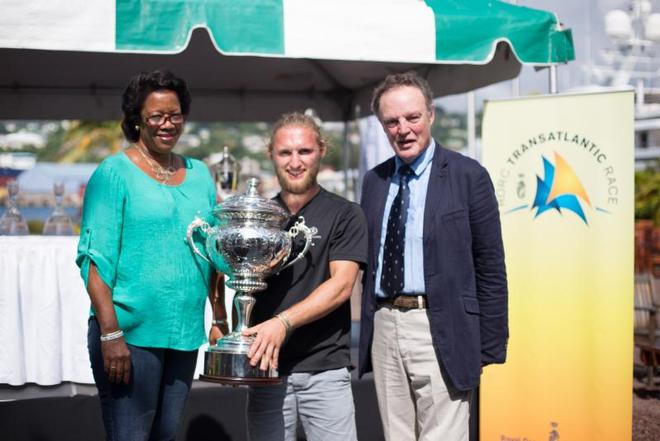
(147, 288)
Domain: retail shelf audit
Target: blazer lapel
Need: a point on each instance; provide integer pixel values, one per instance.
(380, 197)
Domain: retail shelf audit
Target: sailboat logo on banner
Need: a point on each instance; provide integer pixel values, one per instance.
(560, 188)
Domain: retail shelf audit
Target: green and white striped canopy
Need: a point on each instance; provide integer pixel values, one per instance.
(251, 60)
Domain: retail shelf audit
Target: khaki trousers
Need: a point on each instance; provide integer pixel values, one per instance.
(415, 401)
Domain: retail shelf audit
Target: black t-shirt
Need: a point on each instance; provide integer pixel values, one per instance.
(342, 235)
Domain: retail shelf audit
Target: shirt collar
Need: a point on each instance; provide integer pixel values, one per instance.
(421, 162)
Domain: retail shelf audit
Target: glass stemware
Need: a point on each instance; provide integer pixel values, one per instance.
(12, 222)
(58, 223)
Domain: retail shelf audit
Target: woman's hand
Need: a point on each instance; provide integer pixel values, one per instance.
(116, 356)
(265, 350)
(216, 333)
(220, 327)
(116, 360)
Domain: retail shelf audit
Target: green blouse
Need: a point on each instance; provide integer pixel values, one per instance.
(134, 230)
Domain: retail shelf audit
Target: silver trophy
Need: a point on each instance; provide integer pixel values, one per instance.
(248, 244)
(225, 173)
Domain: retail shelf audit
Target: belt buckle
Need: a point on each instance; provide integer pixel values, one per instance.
(408, 302)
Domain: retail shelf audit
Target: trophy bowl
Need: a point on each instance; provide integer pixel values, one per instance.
(248, 243)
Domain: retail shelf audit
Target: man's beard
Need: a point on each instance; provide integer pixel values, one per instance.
(298, 187)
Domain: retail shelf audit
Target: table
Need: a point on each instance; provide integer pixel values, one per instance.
(43, 312)
(44, 309)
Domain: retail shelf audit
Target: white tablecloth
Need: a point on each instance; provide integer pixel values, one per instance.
(43, 312)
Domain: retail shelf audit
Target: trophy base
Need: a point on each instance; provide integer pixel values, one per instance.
(234, 369)
(239, 381)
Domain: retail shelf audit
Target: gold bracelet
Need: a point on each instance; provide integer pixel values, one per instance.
(285, 321)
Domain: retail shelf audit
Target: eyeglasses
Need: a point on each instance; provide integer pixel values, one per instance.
(158, 119)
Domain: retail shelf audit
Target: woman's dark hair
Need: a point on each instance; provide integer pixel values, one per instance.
(137, 91)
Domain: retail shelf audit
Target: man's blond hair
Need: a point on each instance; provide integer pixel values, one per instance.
(297, 119)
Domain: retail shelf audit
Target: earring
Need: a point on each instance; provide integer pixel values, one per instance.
(137, 128)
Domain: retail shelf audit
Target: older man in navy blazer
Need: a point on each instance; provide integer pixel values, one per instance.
(434, 305)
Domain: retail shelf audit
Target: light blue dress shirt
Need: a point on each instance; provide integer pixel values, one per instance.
(413, 272)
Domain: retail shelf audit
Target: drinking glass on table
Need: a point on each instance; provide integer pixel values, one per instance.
(58, 223)
(12, 222)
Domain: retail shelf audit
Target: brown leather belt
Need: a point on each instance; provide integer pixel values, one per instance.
(404, 301)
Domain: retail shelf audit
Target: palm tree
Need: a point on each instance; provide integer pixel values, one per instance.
(89, 141)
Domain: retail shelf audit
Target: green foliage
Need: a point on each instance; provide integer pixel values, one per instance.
(85, 141)
(450, 129)
(88, 141)
(647, 194)
(75, 141)
(334, 157)
(214, 136)
(53, 144)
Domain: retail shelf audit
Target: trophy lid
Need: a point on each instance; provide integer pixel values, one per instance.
(251, 206)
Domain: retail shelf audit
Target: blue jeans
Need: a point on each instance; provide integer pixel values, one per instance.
(150, 407)
(323, 401)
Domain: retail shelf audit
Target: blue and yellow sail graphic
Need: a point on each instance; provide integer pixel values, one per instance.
(559, 188)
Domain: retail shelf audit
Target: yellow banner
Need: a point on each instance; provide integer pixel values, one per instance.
(563, 170)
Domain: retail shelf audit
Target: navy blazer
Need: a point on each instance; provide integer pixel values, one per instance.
(464, 270)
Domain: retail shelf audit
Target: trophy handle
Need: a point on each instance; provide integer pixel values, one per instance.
(204, 227)
(309, 233)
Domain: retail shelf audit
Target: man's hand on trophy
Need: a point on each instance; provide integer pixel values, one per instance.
(265, 349)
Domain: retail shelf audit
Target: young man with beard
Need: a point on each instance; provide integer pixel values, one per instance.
(304, 320)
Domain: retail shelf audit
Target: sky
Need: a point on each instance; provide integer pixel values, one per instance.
(586, 20)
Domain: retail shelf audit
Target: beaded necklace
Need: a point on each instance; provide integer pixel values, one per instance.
(163, 174)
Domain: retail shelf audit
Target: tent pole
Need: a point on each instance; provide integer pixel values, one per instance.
(553, 79)
(515, 87)
(346, 157)
(471, 125)
(515, 83)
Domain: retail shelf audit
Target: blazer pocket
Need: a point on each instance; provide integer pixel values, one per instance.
(457, 224)
(457, 214)
(471, 305)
